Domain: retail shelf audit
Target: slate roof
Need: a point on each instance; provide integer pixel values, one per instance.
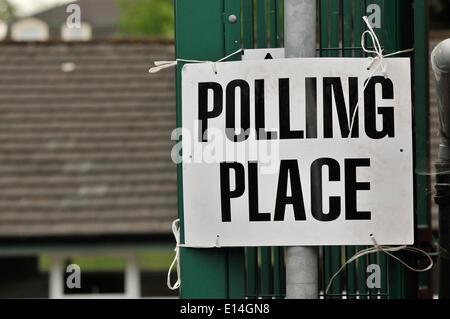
(85, 139)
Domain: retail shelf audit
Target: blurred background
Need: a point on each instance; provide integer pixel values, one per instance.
(86, 176)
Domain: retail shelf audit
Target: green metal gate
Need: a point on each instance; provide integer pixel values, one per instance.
(203, 32)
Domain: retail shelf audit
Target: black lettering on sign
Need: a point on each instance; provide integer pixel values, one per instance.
(334, 85)
(351, 188)
(231, 110)
(386, 112)
(254, 214)
(334, 175)
(261, 133)
(285, 118)
(289, 170)
(311, 107)
(226, 194)
(203, 113)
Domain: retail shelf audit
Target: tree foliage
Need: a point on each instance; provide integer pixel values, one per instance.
(141, 18)
(7, 10)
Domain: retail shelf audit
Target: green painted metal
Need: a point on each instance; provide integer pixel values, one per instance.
(395, 34)
(347, 34)
(334, 35)
(279, 273)
(248, 37)
(323, 27)
(357, 26)
(252, 272)
(323, 44)
(334, 7)
(261, 23)
(266, 272)
(351, 273)
(211, 280)
(236, 256)
(232, 30)
(274, 24)
(384, 276)
(379, 31)
(347, 41)
(373, 261)
(361, 272)
(421, 96)
(238, 272)
(421, 108)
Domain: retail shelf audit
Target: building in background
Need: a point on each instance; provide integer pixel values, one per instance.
(86, 174)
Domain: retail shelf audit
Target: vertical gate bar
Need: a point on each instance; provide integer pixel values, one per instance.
(283, 270)
(347, 41)
(236, 255)
(398, 15)
(323, 27)
(236, 273)
(357, 26)
(391, 43)
(266, 272)
(248, 38)
(252, 272)
(326, 273)
(347, 27)
(334, 26)
(379, 31)
(391, 37)
(364, 13)
(251, 255)
(362, 266)
(382, 257)
(396, 279)
(274, 32)
(336, 256)
(232, 30)
(203, 17)
(351, 272)
(334, 43)
(421, 100)
(323, 44)
(384, 274)
(421, 63)
(359, 10)
(373, 261)
(276, 271)
(278, 276)
(280, 18)
(261, 28)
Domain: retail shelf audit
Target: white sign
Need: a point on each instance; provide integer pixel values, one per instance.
(268, 158)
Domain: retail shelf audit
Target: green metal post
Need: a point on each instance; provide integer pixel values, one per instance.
(199, 34)
(236, 256)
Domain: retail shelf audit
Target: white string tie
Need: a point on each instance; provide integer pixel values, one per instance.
(378, 51)
(387, 250)
(160, 65)
(176, 260)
